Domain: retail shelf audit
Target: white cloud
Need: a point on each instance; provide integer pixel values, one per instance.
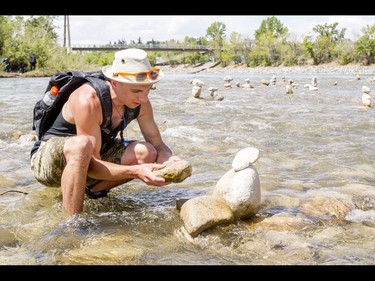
(89, 30)
(353, 24)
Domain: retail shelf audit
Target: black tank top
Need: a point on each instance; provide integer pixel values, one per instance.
(61, 127)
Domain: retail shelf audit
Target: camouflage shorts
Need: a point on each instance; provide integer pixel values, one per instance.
(49, 161)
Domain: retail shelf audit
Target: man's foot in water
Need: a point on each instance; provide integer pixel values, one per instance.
(96, 195)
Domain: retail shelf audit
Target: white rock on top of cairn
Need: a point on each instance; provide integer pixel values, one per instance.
(228, 78)
(197, 82)
(366, 89)
(244, 158)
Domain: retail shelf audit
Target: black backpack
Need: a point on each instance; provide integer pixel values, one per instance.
(67, 82)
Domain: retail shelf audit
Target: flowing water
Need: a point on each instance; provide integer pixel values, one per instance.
(313, 144)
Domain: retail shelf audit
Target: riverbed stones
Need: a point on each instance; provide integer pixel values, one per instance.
(197, 82)
(282, 222)
(327, 207)
(7, 238)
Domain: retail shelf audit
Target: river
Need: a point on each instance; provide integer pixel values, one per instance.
(313, 144)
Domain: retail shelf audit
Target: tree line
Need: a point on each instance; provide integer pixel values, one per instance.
(270, 45)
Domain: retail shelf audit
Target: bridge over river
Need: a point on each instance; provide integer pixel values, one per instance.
(146, 47)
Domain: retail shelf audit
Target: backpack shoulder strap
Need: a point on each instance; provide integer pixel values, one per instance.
(102, 90)
(67, 82)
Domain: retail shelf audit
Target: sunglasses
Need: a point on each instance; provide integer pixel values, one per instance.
(141, 76)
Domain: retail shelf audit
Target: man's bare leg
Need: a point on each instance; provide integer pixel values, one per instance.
(77, 151)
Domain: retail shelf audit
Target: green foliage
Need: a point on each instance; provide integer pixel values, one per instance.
(99, 58)
(270, 40)
(267, 49)
(228, 55)
(272, 27)
(216, 34)
(330, 32)
(309, 48)
(237, 47)
(151, 57)
(345, 51)
(34, 35)
(5, 31)
(365, 46)
(259, 57)
(324, 48)
(292, 52)
(194, 57)
(216, 31)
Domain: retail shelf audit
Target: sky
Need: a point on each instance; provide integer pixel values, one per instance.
(90, 30)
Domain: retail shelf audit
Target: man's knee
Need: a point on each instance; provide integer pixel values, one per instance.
(145, 152)
(78, 146)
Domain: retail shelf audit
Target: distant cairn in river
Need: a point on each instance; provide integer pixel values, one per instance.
(366, 98)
